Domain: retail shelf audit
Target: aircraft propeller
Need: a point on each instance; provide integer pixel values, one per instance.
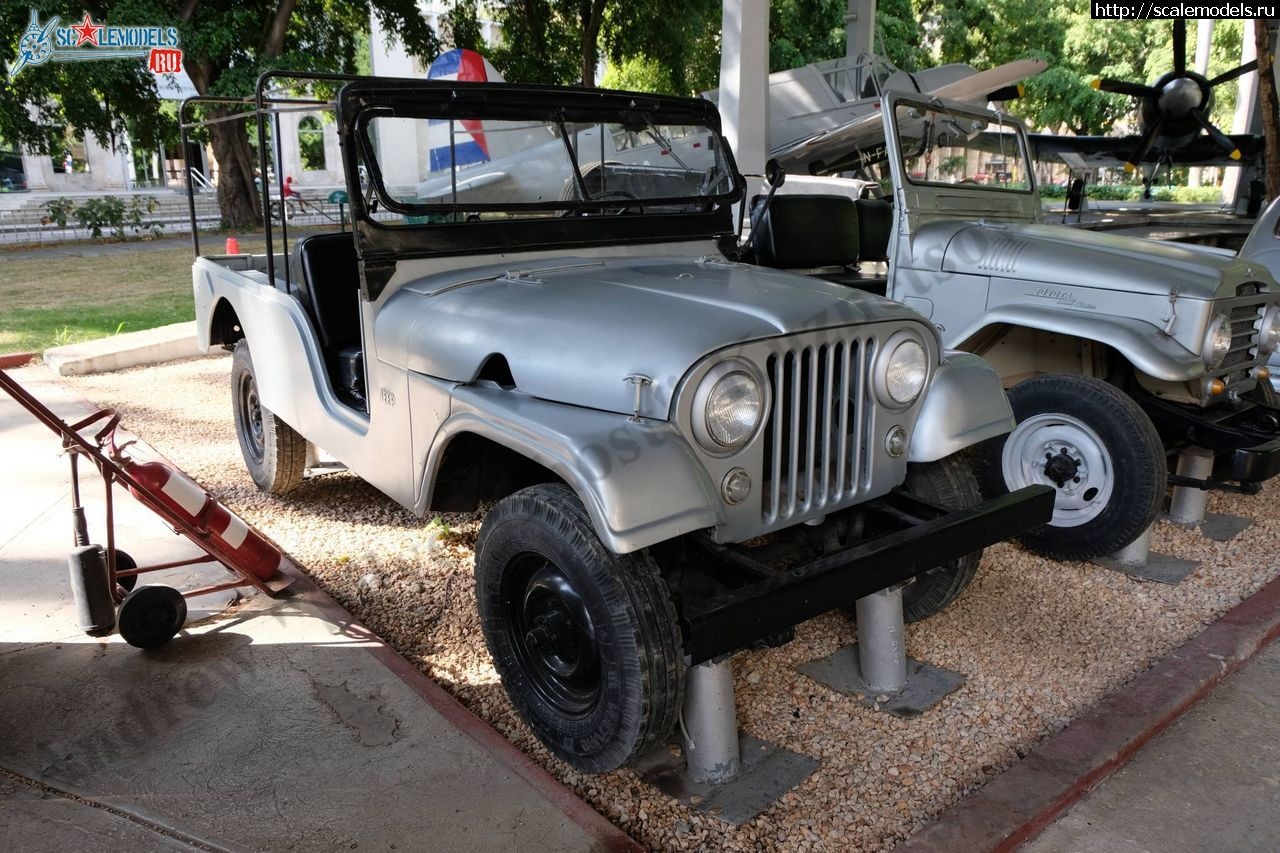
(1178, 104)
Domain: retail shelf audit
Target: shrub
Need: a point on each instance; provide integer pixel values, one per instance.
(60, 210)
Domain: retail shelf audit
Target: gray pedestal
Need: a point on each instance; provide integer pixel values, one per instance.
(1137, 560)
(1188, 504)
(765, 773)
(715, 768)
(877, 670)
(926, 685)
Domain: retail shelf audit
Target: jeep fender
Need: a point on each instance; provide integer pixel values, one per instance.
(1146, 346)
(965, 404)
(638, 479)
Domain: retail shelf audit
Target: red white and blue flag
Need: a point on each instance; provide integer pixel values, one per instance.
(469, 145)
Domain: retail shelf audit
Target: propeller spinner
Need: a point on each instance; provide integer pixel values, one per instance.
(1176, 107)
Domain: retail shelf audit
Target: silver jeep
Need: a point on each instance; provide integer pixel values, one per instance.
(1116, 351)
(683, 455)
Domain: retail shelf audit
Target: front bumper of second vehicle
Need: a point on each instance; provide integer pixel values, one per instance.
(1249, 435)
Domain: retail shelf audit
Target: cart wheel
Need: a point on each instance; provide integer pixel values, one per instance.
(151, 616)
(124, 561)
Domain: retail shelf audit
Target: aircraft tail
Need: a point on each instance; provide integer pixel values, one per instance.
(472, 146)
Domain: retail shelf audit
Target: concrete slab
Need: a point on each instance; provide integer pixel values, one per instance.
(1195, 787)
(150, 346)
(1017, 805)
(279, 724)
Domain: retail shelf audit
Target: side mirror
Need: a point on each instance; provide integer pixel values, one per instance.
(774, 174)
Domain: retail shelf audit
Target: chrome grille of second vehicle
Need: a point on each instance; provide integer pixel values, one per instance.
(816, 443)
(1245, 312)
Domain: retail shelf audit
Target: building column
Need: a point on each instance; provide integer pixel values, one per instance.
(744, 82)
(860, 27)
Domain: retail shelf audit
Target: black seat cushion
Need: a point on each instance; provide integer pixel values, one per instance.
(327, 279)
(807, 231)
(875, 224)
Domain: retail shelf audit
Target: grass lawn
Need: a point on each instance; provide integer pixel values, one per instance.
(53, 300)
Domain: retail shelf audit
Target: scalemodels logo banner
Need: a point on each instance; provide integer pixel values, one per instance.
(49, 42)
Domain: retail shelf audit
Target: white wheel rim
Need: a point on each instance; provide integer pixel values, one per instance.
(1029, 460)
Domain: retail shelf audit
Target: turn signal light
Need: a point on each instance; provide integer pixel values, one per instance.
(1217, 386)
(1262, 374)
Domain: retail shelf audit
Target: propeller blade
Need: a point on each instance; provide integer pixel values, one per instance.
(1007, 93)
(1224, 141)
(1124, 87)
(1180, 46)
(1144, 144)
(1234, 73)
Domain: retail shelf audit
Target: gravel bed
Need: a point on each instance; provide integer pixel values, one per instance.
(1040, 642)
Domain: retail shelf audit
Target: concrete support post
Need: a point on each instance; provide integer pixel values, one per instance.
(744, 82)
(882, 648)
(860, 27)
(1188, 504)
(711, 721)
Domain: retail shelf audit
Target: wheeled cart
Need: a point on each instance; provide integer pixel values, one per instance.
(104, 579)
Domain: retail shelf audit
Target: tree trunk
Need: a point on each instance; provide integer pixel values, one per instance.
(1269, 103)
(237, 196)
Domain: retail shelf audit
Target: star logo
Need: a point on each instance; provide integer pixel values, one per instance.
(86, 31)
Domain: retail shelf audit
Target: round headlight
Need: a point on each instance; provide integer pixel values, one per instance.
(1217, 341)
(1269, 332)
(905, 371)
(733, 409)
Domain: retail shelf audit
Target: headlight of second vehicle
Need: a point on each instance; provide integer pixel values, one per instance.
(1269, 334)
(903, 370)
(1217, 341)
(728, 407)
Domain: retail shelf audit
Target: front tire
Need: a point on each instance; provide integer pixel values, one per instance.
(274, 453)
(1099, 451)
(586, 641)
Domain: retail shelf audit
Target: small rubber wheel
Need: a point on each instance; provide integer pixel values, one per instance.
(124, 561)
(1098, 450)
(586, 641)
(151, 616)
(949, 482)
(274, 453)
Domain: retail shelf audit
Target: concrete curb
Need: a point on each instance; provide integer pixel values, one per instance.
(1018, 804)
(132, 349)
(605, 834)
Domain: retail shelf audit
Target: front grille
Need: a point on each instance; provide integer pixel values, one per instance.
(1244, 315)
(816, 444)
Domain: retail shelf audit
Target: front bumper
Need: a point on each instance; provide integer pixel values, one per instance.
(926, 536)
(1248, 436)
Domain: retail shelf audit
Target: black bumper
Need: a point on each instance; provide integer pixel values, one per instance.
(1247, 437)
(929, 537)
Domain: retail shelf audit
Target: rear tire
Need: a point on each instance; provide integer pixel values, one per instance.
(586, 641)
(951, 483)
(1096, 447)
(274, 453)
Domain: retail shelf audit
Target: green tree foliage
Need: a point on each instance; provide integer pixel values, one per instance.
(226, 44)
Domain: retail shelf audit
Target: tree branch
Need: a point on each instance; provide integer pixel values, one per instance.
(273, 43)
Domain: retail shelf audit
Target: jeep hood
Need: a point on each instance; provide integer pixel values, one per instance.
(1059, 255)
(572, 329)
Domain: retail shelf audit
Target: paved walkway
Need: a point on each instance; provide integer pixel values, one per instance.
(1210, 782)
(279, 724)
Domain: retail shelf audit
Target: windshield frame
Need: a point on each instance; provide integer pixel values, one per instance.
(938, 105)
(568, 114)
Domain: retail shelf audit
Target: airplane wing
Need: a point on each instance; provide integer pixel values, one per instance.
(440, 189)
(977, 88)
(1092, 152)
(860, 140)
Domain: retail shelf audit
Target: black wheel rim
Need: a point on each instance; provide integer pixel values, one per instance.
(251, 416)
(552, 634)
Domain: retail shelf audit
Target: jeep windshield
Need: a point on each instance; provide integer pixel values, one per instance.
(947, 146)
(445, 161)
